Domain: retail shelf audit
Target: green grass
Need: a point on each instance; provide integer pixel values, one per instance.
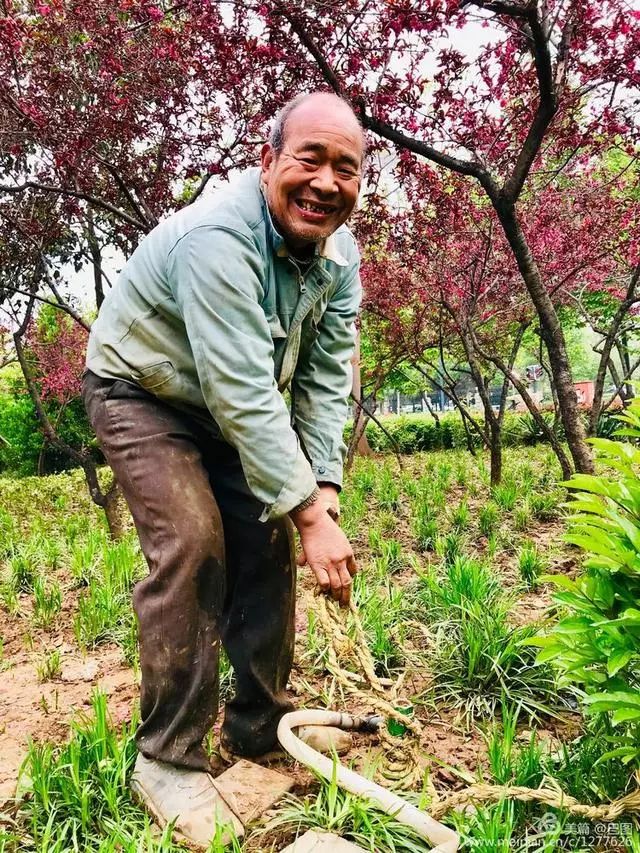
(478, 659)
(335, 810)
(49, 666)
(435, 545)
(104, 609)
(488, 518)
(47, 601)
(382, 612)
(75, 798)
(530, 564)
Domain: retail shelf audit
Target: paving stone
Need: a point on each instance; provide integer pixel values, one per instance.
(250, 789)
(321, 842)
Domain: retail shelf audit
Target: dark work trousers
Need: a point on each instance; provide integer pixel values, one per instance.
(215, 573)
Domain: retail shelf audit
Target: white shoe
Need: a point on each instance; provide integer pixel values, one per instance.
(189, 797)
(324, 739)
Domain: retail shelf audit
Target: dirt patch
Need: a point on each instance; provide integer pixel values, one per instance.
(31, 710)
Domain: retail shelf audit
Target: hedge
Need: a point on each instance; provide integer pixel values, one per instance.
(22, 438)
(414, 433)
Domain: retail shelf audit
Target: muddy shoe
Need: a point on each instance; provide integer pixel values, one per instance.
(187, 796)
(324, 739)
(230, 756)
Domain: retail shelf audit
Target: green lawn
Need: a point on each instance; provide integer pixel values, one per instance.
(449, 593)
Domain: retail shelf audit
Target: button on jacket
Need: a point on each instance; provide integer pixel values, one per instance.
(211, 313)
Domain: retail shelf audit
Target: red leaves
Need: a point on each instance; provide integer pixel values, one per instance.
(58, 348)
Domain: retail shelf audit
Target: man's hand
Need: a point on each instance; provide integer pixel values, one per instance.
(329, 497)
(326, 549)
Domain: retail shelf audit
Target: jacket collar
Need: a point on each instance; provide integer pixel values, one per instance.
(327, 249)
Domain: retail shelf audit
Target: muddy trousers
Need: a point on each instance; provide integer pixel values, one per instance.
(216, 574)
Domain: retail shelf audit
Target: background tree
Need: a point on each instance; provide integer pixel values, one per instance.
(553, 89)
(117, 114)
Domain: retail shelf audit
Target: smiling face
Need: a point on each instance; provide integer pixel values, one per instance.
(312, 185)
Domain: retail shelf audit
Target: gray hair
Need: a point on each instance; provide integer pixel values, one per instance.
(278, 131)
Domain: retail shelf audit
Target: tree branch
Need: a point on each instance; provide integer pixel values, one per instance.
(91, 199)
(620, 382)
(140, 213)
(369, 122)
(501, 7)
(545, 112)
(530, 404)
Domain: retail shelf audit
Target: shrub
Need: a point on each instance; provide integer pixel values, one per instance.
(23, 440)
(596, 646)
(416, 433)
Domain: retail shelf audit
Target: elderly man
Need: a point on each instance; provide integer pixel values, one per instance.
(223, 306)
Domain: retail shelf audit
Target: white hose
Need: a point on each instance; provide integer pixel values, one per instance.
(445, 840)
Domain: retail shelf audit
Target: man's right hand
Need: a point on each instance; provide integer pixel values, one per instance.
(327, 551)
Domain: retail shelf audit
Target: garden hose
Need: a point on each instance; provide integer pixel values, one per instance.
(400, 766)
(401, 759)
(443, 839)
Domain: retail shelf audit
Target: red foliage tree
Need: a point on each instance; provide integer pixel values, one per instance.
(553, 88)
(113, 110)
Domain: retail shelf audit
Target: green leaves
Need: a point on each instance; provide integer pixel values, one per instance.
(596, 647)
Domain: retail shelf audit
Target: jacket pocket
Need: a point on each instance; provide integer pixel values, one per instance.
(153, 376)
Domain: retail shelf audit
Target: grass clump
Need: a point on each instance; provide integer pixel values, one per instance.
(505, 495)
(461, 517)
(530, 564)
(104, 609)
(47, 601)
(353, 818)
(488, 519)
(382, 611)
(76, 797)
(478, 658)
(50, 666)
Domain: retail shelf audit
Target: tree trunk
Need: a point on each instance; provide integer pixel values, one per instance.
(96, 259)
(82, 458)
(598, 388)
(492, 425)
(495, 450)
(625, 361)
(553, 336)
(610, 340)
(546, 430)
(358, 444)
(114, 511)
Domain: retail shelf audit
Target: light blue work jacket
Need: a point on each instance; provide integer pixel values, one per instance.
(211, 313)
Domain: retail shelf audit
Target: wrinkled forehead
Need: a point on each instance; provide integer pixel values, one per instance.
(325, 131)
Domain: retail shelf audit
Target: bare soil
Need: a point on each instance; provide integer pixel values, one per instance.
(42, 711)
